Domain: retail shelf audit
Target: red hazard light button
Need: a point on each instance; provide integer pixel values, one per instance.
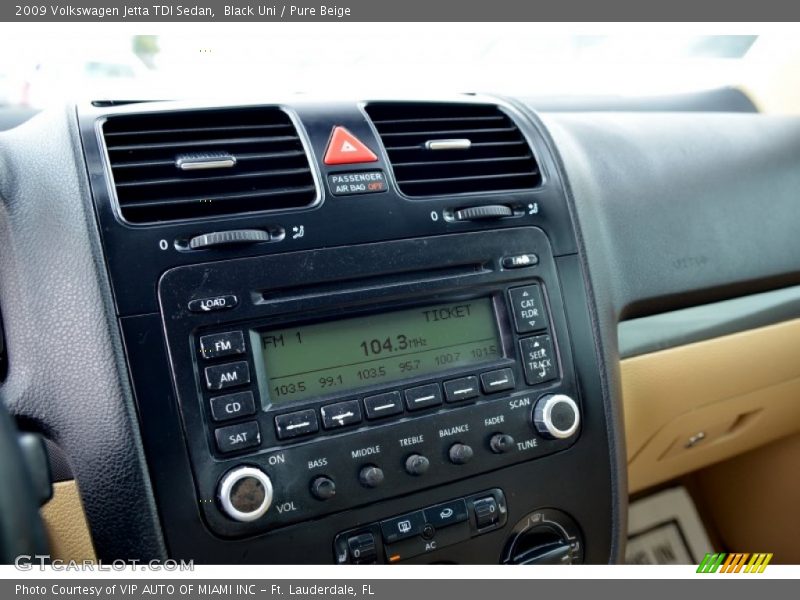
(346, 149)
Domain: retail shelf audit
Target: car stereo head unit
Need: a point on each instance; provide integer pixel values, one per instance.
(447, 362)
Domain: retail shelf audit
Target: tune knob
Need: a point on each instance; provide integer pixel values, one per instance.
(556, 416)
(245, 493)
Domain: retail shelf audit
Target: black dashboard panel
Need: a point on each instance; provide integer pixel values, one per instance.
(365, 254)
(636, 214)
(681, 210)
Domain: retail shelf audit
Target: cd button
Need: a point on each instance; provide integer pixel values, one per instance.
(341, 414)
(383, 405)
(423, 396)
(457, 390)
(497, 381)
(232, 406)
(296, 424)
(220, 377)
(218, 345)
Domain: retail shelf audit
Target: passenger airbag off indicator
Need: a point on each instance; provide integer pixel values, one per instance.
(362, 182)
(346, 149)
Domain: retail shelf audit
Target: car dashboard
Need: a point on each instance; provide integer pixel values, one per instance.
(378, 331)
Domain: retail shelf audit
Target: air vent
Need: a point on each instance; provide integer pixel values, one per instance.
(440, 148)
(190, 164)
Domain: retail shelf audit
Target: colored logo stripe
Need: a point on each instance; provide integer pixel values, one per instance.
(734, 563)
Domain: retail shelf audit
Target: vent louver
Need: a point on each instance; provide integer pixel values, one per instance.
(437, 148)
(190, 164)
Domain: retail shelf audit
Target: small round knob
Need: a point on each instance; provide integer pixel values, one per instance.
(323, 488)
(500, 443)
(556, 416)
(371, 476)
(460, 454)
(245, 493)
(416, 464)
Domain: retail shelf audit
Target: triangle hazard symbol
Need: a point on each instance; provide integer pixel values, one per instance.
(344, 149)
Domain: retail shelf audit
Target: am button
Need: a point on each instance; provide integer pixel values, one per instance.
(220, 377)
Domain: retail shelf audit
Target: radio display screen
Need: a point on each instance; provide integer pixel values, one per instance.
(347, 354)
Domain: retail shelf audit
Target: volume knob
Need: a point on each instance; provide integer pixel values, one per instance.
(556, 416)
(245, 493)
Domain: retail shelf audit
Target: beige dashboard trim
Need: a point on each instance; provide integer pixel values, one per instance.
(695, 405)
(65, 522)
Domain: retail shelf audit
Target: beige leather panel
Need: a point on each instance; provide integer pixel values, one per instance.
(65, 523)
(753, 499)
(733, 393)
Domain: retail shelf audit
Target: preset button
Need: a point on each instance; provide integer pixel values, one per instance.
(423, 396)
(292, 425)
(464, 388)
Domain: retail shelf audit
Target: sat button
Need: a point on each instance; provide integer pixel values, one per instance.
(238, 437)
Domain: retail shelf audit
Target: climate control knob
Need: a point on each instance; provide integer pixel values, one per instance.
(556, 416)
(245, 493)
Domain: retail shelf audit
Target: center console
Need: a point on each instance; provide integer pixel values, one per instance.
(388, 370)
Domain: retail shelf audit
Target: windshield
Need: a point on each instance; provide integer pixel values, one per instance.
(354, 59)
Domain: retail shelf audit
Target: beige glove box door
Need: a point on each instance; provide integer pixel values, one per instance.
(694, 405)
